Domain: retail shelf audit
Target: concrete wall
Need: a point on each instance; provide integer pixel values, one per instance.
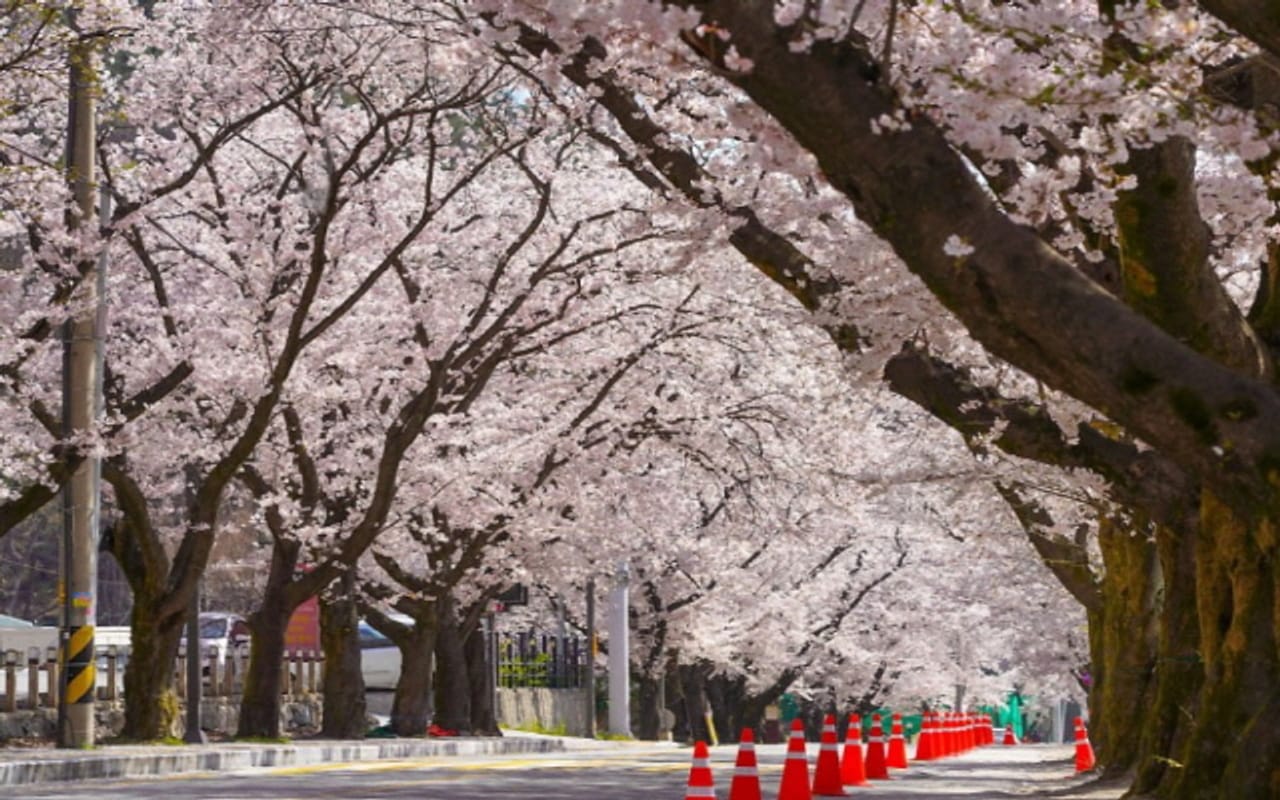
(545, 709)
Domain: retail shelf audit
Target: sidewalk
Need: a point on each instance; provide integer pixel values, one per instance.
(19, 766)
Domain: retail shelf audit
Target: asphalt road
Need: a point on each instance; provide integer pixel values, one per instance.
(620, 773)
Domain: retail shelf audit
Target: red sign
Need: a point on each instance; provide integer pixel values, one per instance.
(303, 632)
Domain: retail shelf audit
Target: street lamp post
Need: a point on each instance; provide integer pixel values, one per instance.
(620, 654)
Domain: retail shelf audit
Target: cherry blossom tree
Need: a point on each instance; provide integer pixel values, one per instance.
(254, 122)
(349, 246)
(1036, 206)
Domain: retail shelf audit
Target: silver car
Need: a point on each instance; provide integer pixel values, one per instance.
(221, 631)
(379, 657)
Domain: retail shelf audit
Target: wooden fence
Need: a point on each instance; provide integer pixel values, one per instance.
(32, 677)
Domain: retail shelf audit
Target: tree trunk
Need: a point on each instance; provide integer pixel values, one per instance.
(693, 679)
(151, 705)
(727, 698)
(753, 706)
(484, 717)
(1123, 640)
(1233, 746)
(345, 708)
(260, 703)
(1179, 670)
(453, 688)
(411, 707)
(648, 714)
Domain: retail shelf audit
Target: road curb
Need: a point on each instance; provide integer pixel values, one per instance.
(163, 760)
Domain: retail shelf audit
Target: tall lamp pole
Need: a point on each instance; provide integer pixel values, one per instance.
(620, 654)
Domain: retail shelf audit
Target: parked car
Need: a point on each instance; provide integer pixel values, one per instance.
(221, 630)
(379, 657)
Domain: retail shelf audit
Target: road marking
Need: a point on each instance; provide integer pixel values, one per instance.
(504, 765)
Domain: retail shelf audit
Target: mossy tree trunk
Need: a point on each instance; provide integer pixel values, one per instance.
(1179, 668)
(1232, 746)
(151, 705)
(1123, 639)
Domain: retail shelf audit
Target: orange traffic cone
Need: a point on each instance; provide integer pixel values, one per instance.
(969, 738)
(852, 772)
(826, 775)
(924, 747)
(746, 775)
(1009, 738)
(1084, 750)
(700, 783)
(876, 765)
(946, 739)
(897, 756)
(795, 770)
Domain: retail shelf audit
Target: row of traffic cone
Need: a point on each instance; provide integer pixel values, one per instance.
(952, 733)
(834, 771)
(942, 735)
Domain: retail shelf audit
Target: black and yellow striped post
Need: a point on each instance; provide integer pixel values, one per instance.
(78, 665)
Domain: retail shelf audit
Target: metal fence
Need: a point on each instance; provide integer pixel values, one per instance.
(531, 659)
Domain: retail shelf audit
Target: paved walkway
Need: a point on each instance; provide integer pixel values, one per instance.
(30, 765)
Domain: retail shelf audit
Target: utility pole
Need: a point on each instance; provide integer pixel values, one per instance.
(81, 408)
(620, 654)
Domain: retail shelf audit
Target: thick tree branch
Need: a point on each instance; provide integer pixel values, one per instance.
(1067, 559)
(1256, 21)
(1140, 479)
(1022, 301)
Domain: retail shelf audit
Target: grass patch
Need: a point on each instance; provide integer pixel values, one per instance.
(538, 728)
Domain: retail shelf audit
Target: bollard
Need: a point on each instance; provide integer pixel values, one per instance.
(286, 680)
(179, 677)
(212, 654)
(229, 673)
(99, 692)
(10, 680)
(311, 672)
(51, 665)
(33, 677)
(113, 668)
